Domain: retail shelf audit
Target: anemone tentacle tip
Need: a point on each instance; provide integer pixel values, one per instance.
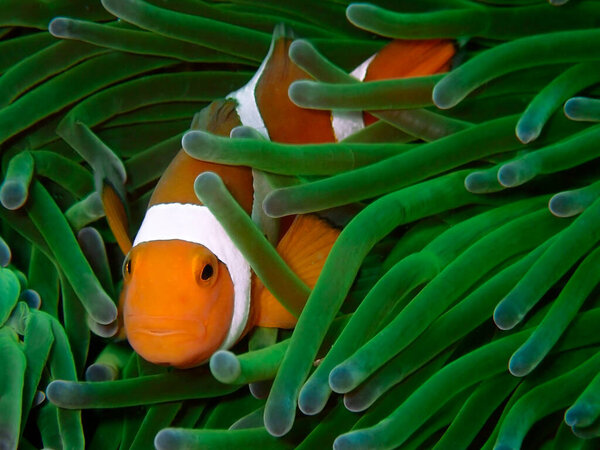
(225, 366)
(39, 398)
(59, 392)
(106, 312)
(274, 203)
(32, 298)
(441, 98)
(166, 439)
(560, 205)
(519, 365)
(526, 132)
(260, 389)
(13, 195)
(59, 27)
(7, 439)
(277, 429)
(5, 255)
(190, 139)
(277, 422)
(570, 417)
(109, 5)
(354, 440)
(103, 330)
(506, 315)
(573, 107)
(309, 409)
(356, 403)
(508, 175)
(297, 47)
(312, 400)
(355, 12)
(207, 181)
(342, 379)
(579, 415)
(301, 94)
(100, 372)
(244, 132)
(477, 183)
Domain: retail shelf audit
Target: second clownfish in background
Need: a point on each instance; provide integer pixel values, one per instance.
(188, 291)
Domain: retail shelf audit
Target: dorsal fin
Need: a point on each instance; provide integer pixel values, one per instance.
(285, 121)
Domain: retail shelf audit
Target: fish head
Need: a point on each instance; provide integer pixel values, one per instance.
(177, 302)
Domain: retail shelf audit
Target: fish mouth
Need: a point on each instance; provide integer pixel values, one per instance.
(162, 326)
(159, 333)
(164, 340)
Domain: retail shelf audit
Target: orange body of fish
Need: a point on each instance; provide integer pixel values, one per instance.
(187, 291)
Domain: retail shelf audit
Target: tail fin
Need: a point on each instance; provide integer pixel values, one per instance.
(404, 59)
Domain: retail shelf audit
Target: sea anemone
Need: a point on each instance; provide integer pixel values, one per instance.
(458, 307)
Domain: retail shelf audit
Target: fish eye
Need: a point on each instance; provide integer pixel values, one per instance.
(207, 272)
(126, 270)
(206, 269)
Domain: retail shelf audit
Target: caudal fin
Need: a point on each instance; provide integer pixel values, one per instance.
(404, 59)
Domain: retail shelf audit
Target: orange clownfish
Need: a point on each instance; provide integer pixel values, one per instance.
(188, 291)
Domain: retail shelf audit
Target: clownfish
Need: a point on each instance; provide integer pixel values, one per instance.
(187, 289)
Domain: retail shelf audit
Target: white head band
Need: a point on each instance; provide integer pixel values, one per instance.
(195, 223)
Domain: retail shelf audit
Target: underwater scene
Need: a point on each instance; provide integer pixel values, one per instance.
(312, 224)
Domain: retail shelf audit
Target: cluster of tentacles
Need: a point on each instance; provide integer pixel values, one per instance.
(458, 307)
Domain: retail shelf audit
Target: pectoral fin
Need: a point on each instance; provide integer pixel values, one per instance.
(304, 247)
(116, 215)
